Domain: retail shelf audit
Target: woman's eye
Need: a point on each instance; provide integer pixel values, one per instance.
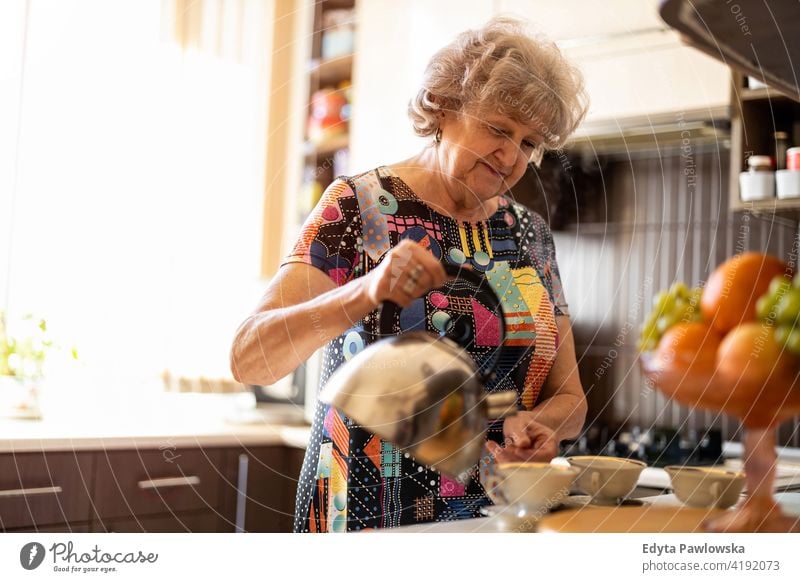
(528, 144)
(496, 130)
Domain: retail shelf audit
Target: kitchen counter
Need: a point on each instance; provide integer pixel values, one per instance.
(790, 502)
(108, 432)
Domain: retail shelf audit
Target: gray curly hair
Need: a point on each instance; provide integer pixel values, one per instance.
(503, 68)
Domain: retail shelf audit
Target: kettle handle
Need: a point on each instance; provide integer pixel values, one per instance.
(461, 334)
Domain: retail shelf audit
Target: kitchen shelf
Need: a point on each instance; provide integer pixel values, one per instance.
(327, 147)
(331, 72)
(745, 94)
(783, 206)
(756, 114)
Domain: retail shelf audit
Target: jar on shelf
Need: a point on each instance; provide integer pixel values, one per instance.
(793, 159)
(338, 33)
(787, 181)
(781, 147)
(758, 182)
(328, 117)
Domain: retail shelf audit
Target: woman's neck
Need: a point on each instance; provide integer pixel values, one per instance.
(423, 175)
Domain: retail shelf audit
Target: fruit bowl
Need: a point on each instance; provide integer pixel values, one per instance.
(761, 400)
(760, 394)
(734, 346)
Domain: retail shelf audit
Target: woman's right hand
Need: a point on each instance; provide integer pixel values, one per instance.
(407, 271)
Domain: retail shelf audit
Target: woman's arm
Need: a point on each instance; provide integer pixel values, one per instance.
(534, 435)
(562, 403)
(303, 309)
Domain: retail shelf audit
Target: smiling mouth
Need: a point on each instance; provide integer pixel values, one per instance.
(493, 171)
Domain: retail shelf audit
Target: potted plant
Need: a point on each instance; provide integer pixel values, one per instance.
(22, 359)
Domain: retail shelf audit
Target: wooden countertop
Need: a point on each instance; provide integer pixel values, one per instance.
(790, 502)
(62, 434)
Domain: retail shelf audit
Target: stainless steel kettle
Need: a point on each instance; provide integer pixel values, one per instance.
(422, 391)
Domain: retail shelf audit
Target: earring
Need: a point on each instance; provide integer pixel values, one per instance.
(438, 135)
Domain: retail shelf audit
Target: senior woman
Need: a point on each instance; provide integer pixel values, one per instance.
(491, 101)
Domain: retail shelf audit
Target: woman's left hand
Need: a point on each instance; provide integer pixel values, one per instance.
(526, 440)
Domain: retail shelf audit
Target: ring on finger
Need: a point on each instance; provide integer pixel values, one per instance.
(415, 272)
(409, 286)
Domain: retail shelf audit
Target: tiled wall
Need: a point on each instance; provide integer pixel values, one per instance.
(647, 222)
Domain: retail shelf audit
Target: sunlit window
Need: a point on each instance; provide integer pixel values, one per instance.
(132, 179)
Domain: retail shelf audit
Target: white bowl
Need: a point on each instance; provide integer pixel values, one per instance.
(706, 486)
(607, 479)
(536, 487)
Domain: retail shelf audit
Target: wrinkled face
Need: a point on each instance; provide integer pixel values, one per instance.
(483, 155)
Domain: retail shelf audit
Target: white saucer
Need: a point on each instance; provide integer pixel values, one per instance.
(576, 501)
(511, 519)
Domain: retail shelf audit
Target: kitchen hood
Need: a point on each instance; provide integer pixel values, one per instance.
(758, 38)
(626, 137)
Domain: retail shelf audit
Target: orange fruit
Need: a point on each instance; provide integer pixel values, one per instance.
(730, 295)
(758, 375)
(689, 344)
(685, 361)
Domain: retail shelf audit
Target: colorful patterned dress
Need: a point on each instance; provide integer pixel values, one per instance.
(351, 479)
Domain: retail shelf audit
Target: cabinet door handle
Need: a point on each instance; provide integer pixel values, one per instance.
(169, 482)
(55, 490)
(241, 493)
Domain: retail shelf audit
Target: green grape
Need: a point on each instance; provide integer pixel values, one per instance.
(650, 345)
(649, 332)
(665, 322)
(764, 307)
(658, 300)
(679, 289)
(671, 306)
(793, 341)
(680, 306)
(663, 302)
(796, 280)
(782, 333)
(788, 307)
(778, 286)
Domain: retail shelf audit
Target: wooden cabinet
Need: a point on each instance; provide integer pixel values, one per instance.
(202, 521)
(46, 492)
(266, 501)
(635, 67)
(637, 71)
(223, 489)
(133, 484)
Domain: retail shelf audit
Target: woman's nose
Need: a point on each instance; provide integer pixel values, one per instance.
(507, 153)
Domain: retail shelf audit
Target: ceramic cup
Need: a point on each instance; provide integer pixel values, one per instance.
(705, 486)
(607, 479)
(534, 487)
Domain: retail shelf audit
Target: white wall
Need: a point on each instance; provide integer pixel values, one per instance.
(394, 42)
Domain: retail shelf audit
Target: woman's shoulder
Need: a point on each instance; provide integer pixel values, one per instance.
(355, 185)
(371, 175)
(524, 215)
(359, 185)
